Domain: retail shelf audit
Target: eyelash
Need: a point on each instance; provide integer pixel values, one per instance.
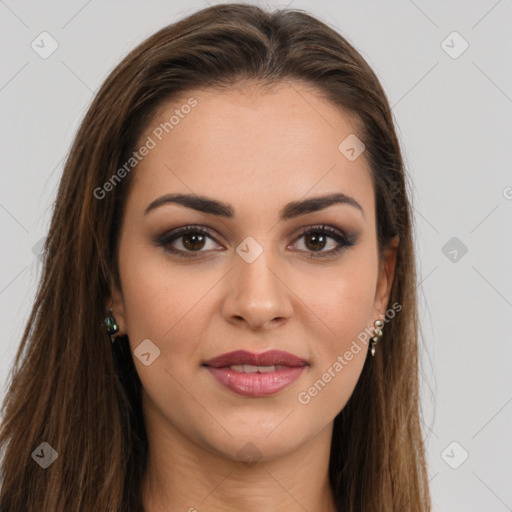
(344, 240)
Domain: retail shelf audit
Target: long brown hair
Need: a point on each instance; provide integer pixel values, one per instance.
(73, 389)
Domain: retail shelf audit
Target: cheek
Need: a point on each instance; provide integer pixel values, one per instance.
(168, 307)
(339, 355)
(343, 305)
(341, 302)
(170, 304)
(160, 301)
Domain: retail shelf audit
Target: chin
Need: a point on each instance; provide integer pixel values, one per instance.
(256, 443)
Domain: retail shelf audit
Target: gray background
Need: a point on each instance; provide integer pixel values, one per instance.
(455, 125)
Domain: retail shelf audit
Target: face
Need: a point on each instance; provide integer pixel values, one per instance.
(254, 272)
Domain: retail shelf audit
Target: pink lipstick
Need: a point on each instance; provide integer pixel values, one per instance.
(256, 375)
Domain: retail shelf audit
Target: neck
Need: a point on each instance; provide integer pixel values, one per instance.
(182, 475)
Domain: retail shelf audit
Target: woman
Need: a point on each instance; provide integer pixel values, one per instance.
(233, 214)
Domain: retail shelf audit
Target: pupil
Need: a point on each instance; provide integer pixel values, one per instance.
(318, 241)
(196, 239)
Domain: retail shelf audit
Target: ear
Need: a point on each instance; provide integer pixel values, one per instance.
(116, 302)
(385, 278)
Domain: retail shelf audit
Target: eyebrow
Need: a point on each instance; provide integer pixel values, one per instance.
(291, 210)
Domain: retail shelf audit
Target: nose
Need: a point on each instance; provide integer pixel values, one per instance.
(258, 295)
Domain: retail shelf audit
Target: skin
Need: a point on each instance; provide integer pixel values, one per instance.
(256, 151)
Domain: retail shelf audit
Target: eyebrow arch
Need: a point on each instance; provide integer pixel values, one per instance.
(291, 210)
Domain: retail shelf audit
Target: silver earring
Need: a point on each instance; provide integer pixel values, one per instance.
(377, 334)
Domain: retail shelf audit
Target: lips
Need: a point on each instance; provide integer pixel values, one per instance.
(242, 357)
(256, 375)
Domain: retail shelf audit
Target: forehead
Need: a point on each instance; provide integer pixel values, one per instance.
(271, 146)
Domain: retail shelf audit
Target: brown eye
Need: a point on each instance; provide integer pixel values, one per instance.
(193, 242)
(316, 239)
(186, 241)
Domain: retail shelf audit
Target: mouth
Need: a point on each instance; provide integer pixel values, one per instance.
(256, 375)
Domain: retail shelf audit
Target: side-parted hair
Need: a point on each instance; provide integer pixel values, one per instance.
(73, 389)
